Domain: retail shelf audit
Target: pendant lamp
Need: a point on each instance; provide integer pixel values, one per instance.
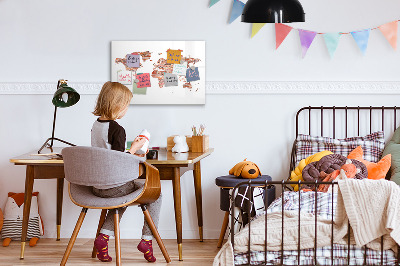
(273, 11)
(64, 96)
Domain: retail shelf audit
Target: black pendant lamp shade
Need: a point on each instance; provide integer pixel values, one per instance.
(273, 11)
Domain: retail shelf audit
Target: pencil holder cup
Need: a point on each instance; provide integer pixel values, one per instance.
(200, 143)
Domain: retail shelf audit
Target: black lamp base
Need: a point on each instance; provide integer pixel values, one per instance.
(50, 146)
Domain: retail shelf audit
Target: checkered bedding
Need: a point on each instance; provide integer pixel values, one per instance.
(323, 207)
(372, 145)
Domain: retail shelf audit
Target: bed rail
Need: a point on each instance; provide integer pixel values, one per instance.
(339, 119)
(265, 185)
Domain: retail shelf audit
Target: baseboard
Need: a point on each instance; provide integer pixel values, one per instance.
(231, 87)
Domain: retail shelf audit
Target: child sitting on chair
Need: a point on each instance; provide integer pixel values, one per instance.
(112, 103)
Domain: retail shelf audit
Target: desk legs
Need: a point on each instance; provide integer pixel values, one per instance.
(60, 190)
(27, 206)
(199, 204)
(176, 183)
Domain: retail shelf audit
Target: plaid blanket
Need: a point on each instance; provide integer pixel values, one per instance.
(323, 205)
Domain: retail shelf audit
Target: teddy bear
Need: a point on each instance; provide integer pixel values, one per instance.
(245, 169)
(13, 215)
(180, 144)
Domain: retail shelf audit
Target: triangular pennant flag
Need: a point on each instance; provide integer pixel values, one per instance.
(237, 9)
(389, 30)
(361, 37)
(256, 27)
(306, 39)
(281, 31)
(332, 41)
(213, 2)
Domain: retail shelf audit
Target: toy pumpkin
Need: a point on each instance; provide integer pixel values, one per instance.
(245, 169)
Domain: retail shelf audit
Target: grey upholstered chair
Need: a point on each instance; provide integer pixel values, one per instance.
(85, 167)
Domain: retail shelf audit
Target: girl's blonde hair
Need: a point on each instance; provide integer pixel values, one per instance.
(112, 100)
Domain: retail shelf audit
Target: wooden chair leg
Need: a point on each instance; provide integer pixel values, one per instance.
(101, 222)
(73, 237)
(223, 229)
(117, 238)
(154, 230)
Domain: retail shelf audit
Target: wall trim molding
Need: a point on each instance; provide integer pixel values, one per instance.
(232, 87)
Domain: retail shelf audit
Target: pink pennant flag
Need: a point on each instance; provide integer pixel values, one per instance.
(389, 30)
(306, 39)
(281, 31)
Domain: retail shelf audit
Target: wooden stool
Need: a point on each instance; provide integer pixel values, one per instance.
(226, 183)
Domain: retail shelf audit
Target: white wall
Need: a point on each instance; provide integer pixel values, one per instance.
(42, 41)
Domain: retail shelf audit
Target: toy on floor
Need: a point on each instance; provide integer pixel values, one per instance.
(13, 215)
(180, 144)
(245, 169)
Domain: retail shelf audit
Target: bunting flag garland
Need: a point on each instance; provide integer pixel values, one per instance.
(256, 27)
(332, 41)
(237, 9)
(306, 39)
(361, 37)
(389, 30)
(213, 2)
(281, 31)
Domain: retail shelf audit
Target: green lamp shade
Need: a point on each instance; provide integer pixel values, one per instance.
(65, 96)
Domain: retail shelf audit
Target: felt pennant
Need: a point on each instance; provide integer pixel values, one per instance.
(389, 30)
(281, 31)
(213, 2)
(237, 9)
(256, 27)
(361, 37)
(306, 39)
(332, 41)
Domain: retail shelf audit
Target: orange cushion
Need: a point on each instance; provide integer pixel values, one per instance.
(375, 170)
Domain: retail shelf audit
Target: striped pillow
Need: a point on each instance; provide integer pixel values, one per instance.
(372, 145)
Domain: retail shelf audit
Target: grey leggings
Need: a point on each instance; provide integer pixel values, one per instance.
(154, 208)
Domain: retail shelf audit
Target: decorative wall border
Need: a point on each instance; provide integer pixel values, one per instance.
(233, 87)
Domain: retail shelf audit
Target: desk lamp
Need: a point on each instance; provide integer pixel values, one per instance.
(64, 96)
(273, 11)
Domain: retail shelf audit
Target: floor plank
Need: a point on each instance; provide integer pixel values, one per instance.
(49, 252)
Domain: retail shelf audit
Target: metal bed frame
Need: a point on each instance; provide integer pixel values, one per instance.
(283, 184)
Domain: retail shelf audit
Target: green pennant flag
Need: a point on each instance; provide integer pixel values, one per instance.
(213, 2)
(332, 41)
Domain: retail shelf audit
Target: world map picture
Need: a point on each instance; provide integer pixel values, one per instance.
(160, 72)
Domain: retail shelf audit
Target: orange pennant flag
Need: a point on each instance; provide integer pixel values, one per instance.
(389, 30)
(281, 31)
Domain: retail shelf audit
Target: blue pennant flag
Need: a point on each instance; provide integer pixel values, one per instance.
(213, 2)
(332, 41)
(361, 37)
(237, 9)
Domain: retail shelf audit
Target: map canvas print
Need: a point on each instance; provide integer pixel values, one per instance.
(160, 72)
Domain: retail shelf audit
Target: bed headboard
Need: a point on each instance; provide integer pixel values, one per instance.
(344, 121)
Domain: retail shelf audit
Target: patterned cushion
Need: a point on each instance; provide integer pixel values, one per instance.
(372, 144)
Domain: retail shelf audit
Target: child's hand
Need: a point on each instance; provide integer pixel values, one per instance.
(143, 155)
(137, 144)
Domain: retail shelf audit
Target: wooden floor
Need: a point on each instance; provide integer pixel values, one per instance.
(50, 252)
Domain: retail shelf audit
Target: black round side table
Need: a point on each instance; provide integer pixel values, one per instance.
(228, 182)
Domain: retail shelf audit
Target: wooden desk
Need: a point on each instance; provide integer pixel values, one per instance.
(171, 167)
